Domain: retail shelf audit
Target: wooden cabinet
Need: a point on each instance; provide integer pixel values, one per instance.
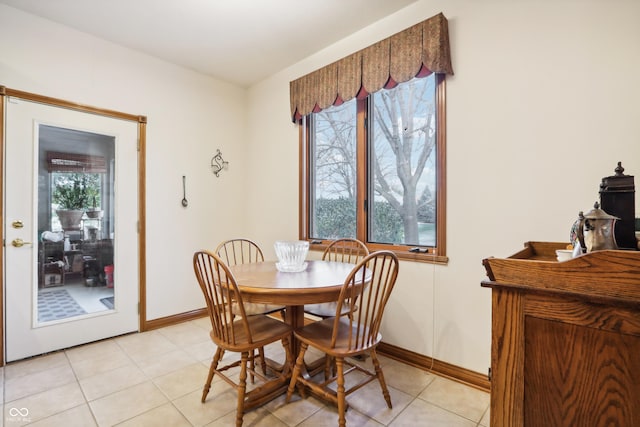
(565, 347)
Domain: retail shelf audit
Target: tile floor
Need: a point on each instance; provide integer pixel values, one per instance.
(155, 379)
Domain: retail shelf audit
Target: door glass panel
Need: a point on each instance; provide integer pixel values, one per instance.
(75, 200)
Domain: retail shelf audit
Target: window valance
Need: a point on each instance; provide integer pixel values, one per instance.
(71, 162)
(417, 51)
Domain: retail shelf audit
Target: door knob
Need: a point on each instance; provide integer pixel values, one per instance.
(18, 243)
(17, 224)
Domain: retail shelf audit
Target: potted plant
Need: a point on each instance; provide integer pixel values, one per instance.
(72, 193)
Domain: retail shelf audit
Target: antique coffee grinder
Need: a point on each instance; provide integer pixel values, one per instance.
(617, 198)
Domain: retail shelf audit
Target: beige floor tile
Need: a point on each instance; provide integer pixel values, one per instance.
(93, 350)
(183, 381)
(98, 364)
(421, 413)
(456, 397)
(126, 404)
(36, 364)
(185, 334)
(36, 382)
(145, 345)
(80, 416)
(257, 418)
(486, 418)
(220, 401)
(328, 417)
(156, 378)
(296, 411)
(165, 415)
(112, 381)
(406, 378)
(45, 404)
(203, 323)
(370, 401)
(202, 351)
(162, 364)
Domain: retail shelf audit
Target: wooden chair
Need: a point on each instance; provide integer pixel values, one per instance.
(238, 333)
(341, 250)
(346, 336)
(244, 251)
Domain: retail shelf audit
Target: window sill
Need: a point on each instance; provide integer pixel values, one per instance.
(403, 254)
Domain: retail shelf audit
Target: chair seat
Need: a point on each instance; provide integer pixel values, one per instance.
(326, 309)
(264, 330)
(252, 308)
(319, 334)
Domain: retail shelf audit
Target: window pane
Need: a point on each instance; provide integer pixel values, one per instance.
(403, 164)
(333, 172)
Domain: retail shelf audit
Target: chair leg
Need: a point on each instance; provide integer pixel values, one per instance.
(242, 387)
(214, 365)
(342, 422)
(263, 363)
(383, 384)
(296, 372)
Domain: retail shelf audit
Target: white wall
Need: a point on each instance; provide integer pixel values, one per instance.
(543, 104)
(189, 116)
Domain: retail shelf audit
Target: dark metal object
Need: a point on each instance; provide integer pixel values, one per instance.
(617, 197)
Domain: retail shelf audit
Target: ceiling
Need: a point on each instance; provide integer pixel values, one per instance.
(239, 41)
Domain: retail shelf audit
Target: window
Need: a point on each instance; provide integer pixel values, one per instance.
(374, 170)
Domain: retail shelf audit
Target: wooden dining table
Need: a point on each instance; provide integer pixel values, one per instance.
(320, 281)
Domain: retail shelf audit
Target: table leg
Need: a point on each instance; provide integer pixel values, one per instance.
(294, 316)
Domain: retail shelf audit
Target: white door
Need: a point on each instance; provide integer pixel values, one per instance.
(77, 284)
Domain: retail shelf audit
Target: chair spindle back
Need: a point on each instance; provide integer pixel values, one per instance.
(239, 251)
(367, 301)
(223, 299)
(345, 250)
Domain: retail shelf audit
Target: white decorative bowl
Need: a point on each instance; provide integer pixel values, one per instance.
(291, 254)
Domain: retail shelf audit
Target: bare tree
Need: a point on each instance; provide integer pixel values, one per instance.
(403, 141)
(405, 125)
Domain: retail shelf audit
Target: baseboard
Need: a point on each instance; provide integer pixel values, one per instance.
(426, 363)
(174, 319)
(438, 367)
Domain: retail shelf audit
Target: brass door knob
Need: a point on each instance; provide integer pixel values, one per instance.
(18, 243)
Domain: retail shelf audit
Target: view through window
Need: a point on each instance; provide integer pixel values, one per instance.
(385, 151)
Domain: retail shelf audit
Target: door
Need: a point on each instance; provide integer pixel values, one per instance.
(68, 283)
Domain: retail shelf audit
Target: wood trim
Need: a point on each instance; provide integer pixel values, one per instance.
(175, 319)
(441, 158)
(73, 105)
(142, 222)
(438, 367)
(3, 94)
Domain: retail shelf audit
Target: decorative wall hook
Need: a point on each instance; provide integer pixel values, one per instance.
(218, 163)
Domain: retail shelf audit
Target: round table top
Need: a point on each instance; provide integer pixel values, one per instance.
(261, 282)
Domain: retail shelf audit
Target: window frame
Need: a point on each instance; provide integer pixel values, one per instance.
(436, 254)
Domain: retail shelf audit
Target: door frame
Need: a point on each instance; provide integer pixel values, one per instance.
(142, 129)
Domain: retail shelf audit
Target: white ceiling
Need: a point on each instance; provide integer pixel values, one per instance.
(239, 41)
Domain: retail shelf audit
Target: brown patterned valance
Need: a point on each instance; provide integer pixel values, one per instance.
(417, 51)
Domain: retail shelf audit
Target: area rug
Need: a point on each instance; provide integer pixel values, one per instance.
(108, 302)
(58, 304)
